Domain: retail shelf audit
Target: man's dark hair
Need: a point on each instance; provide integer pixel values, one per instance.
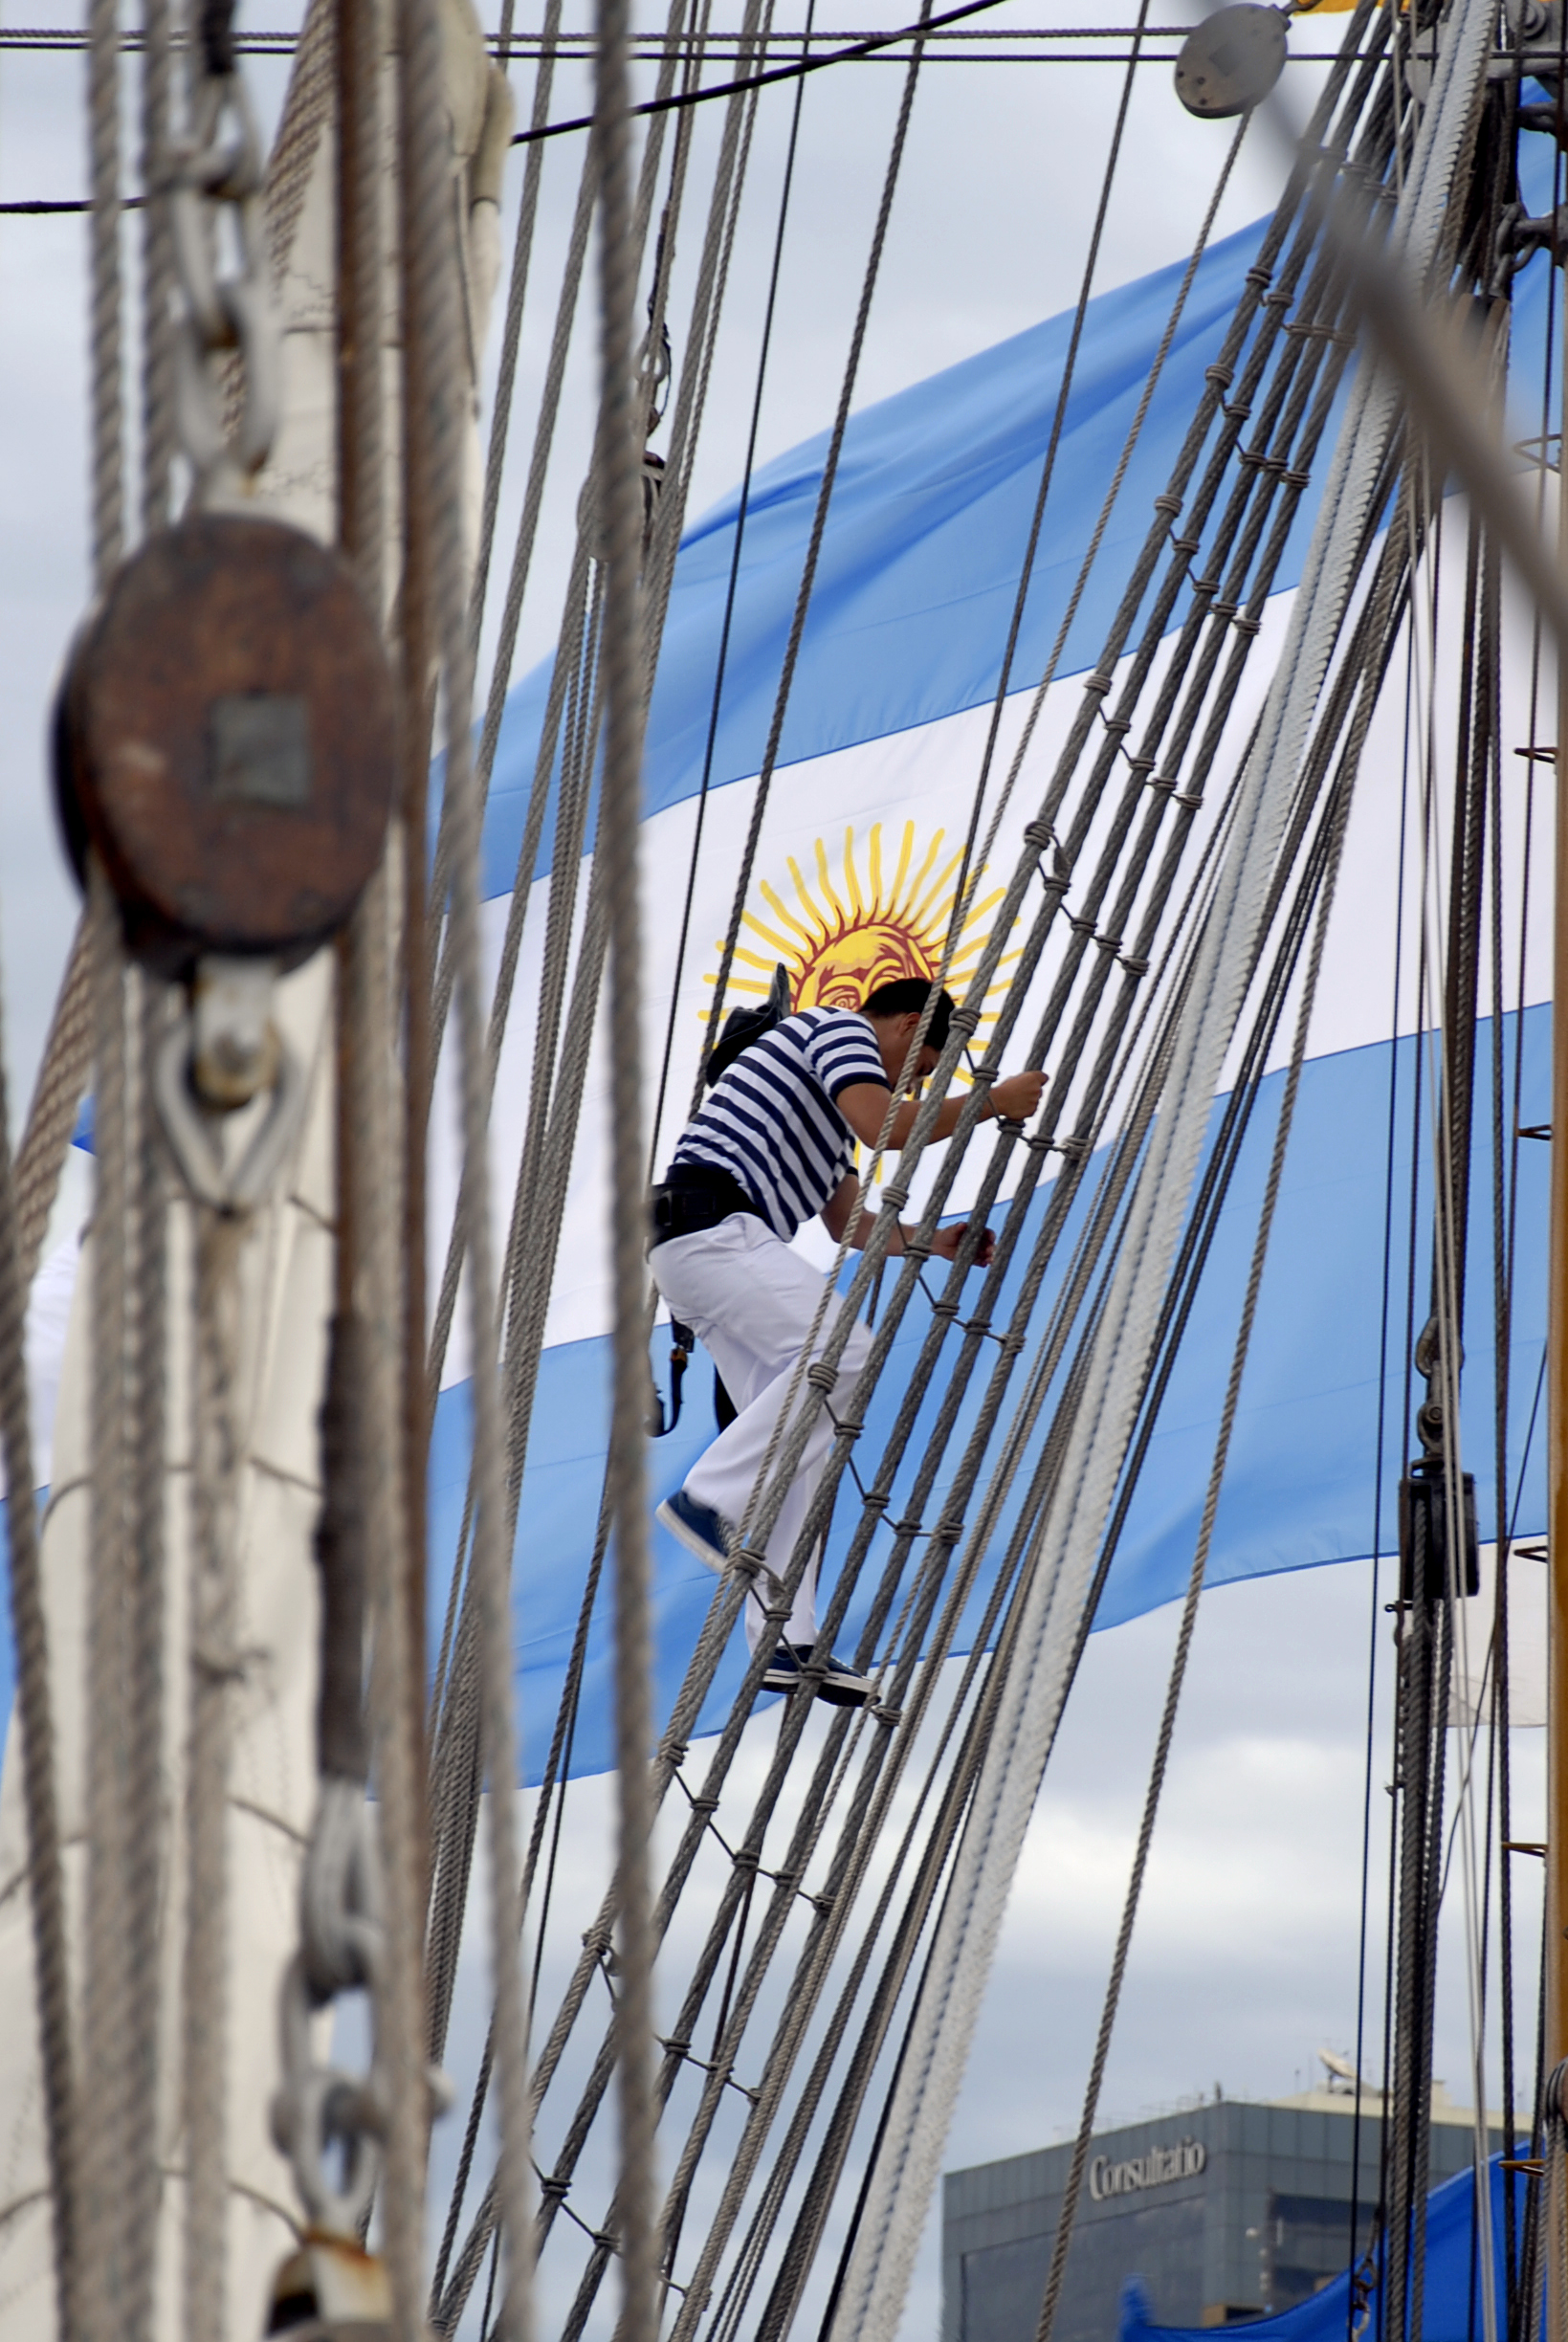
(912, 992)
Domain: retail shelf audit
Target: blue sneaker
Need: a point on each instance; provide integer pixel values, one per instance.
(840, 1687)
(701, 1530)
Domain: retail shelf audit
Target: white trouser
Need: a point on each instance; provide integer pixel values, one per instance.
(751, 1303)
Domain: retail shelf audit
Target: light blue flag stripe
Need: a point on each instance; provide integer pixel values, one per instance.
(1302, 1486)
(926, 535)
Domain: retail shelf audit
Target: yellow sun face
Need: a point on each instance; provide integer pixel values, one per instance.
(856, 924)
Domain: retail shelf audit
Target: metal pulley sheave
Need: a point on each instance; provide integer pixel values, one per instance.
(1230, 63)
(225, 747)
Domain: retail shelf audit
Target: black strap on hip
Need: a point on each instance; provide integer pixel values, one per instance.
(695, 1196)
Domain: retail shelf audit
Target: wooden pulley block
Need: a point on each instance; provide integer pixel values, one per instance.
(225, 742)
(331, 2290)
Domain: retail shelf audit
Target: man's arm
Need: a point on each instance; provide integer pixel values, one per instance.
(864, 1106)
(842, 1212)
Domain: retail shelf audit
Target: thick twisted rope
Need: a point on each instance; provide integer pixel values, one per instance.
(618, 489)
(107, 2005)
(213, 1661)
(516, 292)
(435, 421)
(108, 436)
(147, 1493)
(1073, 2188)
(36, 1712)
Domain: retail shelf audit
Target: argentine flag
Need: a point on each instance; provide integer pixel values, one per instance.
(855, 883)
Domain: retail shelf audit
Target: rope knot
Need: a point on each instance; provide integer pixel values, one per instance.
(966, 1021)
(821, 1375)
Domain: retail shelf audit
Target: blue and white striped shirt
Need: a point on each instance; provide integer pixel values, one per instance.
(771, 1122)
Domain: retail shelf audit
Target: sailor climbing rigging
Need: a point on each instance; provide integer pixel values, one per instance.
(772, 1144)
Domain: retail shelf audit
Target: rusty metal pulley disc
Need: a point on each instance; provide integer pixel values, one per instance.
(224, 742)
(1231, 61)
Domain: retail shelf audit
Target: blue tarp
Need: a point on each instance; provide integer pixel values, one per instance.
(1452, 2308)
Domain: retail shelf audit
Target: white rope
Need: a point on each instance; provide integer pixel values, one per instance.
(877, 2280)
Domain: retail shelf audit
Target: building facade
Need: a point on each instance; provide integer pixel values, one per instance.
(1225, 2211)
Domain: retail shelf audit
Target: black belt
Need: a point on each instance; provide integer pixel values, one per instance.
(698, 1196)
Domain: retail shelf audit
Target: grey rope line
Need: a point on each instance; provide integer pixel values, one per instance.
(962, 893)
(544, 430)
(555, 373)
(501, 672)
(107, 1996)
(529, 1271)
(212, 1668)
(814, 551)
(792, 1865)
(146, 1465)
(564, 683)
(435, 426)
(374, 1221)
(1189, 1612)
(35, 1704)
(848, 2099)
(764, 348)
(516, 292)
(618, 490)
(157, 272)
(108, 437)
(706, 311)
(294, 150)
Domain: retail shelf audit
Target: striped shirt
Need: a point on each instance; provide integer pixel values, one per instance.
(771, 1122)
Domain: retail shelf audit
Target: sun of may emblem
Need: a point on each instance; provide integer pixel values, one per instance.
(860, 923)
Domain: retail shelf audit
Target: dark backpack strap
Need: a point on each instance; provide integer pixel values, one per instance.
(682, 1341)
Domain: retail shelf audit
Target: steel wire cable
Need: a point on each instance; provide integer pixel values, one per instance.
(501, 672)
(813, 550)
(516, 294)
(844, 2114)
(847, 2100)
(673, 506)
(1339, 816)
(435, 423)
(706, 310)
(722, 661)
(1319, 611)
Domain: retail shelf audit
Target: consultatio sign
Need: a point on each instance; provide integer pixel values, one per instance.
(1156, 2169)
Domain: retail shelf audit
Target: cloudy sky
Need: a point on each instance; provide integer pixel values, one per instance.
(1246, 1959)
